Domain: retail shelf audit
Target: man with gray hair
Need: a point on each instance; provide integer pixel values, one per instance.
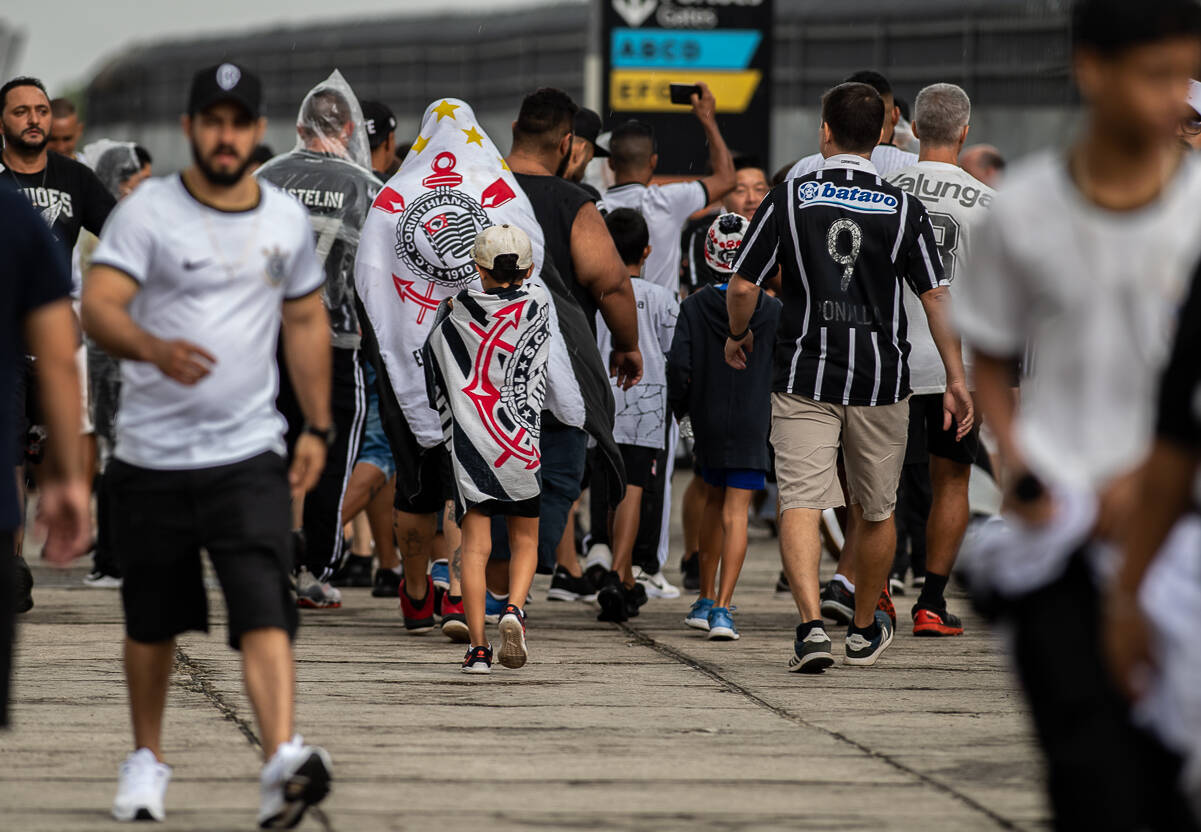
(932, 509)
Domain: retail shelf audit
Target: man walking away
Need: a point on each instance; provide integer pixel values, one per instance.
(189, 286)
(846, 240)
(955, 202)
(329, 172)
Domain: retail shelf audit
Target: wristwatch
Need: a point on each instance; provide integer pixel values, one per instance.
(326, 435)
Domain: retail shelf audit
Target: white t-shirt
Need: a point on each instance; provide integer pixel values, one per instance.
(641, 411)
(886, 159)
(956, 201)
(1095, 293)
(217, 279)
(666, 208)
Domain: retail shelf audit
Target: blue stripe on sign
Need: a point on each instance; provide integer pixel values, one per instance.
(684, 49)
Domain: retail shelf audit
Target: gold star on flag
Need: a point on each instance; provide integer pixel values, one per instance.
(420, 143)
(446, 109)
(474, 137)
(504, 164)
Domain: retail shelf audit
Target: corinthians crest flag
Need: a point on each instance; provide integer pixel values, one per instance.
(415, 251)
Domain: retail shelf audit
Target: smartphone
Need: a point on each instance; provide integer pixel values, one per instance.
(682, 93)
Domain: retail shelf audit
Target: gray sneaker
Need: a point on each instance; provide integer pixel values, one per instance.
(811, 654)
(314, 595)
(863, 652)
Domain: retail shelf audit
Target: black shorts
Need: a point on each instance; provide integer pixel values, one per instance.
(927, 438)
(639, 463)
(423, 488)
(239, 513)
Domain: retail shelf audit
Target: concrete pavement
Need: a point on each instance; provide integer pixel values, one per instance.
(646, 726)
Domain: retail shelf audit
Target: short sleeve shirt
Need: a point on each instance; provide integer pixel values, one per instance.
(217, 279)
(666, 209)
(68, 196)
(846, 241)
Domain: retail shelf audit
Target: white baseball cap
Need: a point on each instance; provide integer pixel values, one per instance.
(1194, 96)
(498, 240)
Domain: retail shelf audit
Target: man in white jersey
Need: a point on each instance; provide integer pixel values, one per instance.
(1084, 255)
(955, 201)
(189, 287)
(887, 158)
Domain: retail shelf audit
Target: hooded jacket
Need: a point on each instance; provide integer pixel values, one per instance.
(730, 409)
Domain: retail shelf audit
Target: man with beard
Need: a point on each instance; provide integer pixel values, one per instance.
(329, 172)
(585, 129)
(66, 130)
(66, 192)
(189, 286)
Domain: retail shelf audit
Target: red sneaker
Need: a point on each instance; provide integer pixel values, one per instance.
(454, 621)
(885, 605)
(927, 622)
(418, 615)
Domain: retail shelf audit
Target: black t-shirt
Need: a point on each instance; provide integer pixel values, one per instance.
(33, 272)
(67, 194)
(337, 195)
(556, 203)
(1179, 417)
(845, 240)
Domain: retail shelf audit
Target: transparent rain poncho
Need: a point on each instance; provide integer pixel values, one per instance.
(323, 117)
(113, 162)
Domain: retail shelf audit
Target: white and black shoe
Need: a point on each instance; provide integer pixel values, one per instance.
(293, 781)
(513, 652)
(566, 587)
(142, 787)
(656, 585)
(864, 648)
(811, 653)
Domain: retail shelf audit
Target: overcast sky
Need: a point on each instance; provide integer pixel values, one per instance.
(67, 40)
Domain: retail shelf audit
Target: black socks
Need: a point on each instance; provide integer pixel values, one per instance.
(932, 592)
(806, 627)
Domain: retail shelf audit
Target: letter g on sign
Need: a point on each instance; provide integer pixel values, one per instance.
(845, 259)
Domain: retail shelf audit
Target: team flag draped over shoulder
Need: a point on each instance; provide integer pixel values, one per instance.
(415, 251)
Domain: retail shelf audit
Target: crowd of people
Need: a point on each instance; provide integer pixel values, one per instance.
(418, 367)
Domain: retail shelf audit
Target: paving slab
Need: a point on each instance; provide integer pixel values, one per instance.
(646, 726)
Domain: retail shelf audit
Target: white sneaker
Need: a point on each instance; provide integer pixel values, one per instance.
(294, 780)
(312, 594)
(99, 580)
(142, 787)
(599, 554)
(657, 585)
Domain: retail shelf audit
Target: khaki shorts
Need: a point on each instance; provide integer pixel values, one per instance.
(806, 435)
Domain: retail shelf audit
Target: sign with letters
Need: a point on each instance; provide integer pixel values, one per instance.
(650, 44)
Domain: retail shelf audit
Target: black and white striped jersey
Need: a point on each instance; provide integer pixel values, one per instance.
(844, 239)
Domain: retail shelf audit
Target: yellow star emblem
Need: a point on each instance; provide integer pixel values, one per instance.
(503, 163)
(446, 109)
(420, 143)
(474, 137)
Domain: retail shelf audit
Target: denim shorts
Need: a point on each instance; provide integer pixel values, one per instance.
(374, 448)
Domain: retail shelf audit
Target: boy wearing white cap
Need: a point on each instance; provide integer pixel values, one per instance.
(485, 364)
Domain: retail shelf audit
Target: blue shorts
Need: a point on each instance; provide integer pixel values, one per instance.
(374, 448)
(747, 479)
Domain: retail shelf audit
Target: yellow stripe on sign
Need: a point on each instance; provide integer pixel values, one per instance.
(649, 90)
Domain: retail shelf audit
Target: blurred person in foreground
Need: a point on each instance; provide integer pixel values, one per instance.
(1190, 123)
(36, 316)
(199, 460)
(1081, 264)
(329, 172)
(984, 162)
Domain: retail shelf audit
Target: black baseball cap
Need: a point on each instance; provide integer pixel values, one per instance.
(587, 125)
(226, 82)
(378, 120)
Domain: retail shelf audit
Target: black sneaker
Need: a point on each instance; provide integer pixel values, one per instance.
(478, 660)
(355, 572)
(566, 587)
(863, 649)
(386, 585)
(837, 603)
(811, 654)
(612, 600)
(24, 588)
(635, 598)
(596, 575)
(783, 588)
(690, 568)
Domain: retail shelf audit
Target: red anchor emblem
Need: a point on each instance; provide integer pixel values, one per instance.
(425, 302)
(486, 397)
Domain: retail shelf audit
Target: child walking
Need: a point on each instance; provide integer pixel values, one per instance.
(730, 412)
(485, 363)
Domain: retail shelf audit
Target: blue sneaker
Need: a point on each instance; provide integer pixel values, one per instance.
(721, 625)
(494, 605)
(863, 651)
(698, 615)
(440, 572)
